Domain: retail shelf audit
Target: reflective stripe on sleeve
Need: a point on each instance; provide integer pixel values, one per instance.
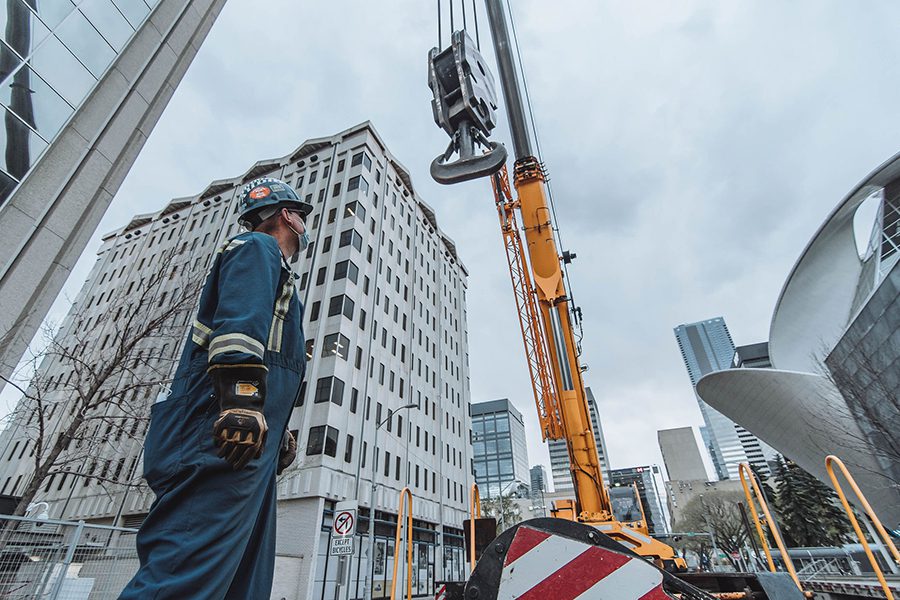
(230, 245)
(235, 342)
(200, 334)
(282, 305)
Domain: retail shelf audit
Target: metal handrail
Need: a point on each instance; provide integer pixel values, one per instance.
(830, 461)
(404, 494)
(474, 512)
(745, 473)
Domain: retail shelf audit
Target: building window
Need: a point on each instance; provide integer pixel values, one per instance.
(341, 304)
(314, 312)
(346, 268)
(363, 159)
(341, 163)
(309, 349)
(355, 208)
(348, 450)
(351, 236)
(322, 440)
(326, 245)
(358, 181)
(354, 399)
(336, 345)
(329, 389)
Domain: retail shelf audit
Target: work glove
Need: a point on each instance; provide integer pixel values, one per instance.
(240, 430)
(288, 452)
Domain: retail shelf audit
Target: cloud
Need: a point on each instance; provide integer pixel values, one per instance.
(694, 148)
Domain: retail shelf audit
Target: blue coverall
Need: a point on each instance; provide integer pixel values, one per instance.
(210, 534)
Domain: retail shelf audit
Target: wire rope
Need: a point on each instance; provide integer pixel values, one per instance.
(475, 18)
(439, 23)
(462, 5)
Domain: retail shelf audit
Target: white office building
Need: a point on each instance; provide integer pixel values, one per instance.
(385, 322)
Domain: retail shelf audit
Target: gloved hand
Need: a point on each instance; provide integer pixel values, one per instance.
(240, 430)
(288, 453)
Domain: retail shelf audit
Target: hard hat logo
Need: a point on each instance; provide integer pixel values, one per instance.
(260, 192)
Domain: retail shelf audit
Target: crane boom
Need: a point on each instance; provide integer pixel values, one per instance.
(552, 300)
(544, 314)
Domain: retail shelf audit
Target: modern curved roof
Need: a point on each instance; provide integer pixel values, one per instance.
(817, 299)
(804, 417)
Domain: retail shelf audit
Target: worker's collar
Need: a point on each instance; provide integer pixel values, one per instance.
(287, 267)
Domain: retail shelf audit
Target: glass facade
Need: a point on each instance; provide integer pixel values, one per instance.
(499, 449)
(52, 54)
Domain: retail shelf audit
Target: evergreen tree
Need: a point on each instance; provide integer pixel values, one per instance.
(764, 484)
(808, 513)
(835, 528)
(798, 521)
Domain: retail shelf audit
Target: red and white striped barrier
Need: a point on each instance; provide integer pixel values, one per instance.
(542, 566)
(441, 593)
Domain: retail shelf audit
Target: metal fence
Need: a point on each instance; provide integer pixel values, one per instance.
(43, 559)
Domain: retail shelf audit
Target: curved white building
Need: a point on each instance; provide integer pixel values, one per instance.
(835, 342)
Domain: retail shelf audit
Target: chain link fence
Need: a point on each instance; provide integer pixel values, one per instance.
(42, 559)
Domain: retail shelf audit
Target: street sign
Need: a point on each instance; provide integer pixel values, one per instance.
(341, 546)
(344, 523)
(343, 529)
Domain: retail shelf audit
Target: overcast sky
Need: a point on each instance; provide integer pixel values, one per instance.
(694, 148)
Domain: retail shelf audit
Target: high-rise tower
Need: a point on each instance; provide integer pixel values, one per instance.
(706, 346)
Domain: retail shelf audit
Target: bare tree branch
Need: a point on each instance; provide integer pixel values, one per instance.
(85, 426)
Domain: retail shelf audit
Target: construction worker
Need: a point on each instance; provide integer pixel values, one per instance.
(210, 455)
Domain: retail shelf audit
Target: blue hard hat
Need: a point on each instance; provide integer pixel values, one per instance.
(268, 192)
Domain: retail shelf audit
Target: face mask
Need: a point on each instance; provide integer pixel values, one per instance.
(302, 243)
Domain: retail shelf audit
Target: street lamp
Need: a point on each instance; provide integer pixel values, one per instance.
(371, 570)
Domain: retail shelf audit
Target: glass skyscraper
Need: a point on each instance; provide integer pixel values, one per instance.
(706, 346)
(82, 85)
(52, 55)
(499, 449)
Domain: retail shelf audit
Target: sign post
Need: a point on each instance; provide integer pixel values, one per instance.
(343, 534)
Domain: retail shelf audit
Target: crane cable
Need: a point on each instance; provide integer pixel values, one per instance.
(537, 143)
(462, 4)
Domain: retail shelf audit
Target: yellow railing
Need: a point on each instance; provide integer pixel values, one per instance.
(745, 473)
(832, 460)
(404, 494)
(474, 513)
